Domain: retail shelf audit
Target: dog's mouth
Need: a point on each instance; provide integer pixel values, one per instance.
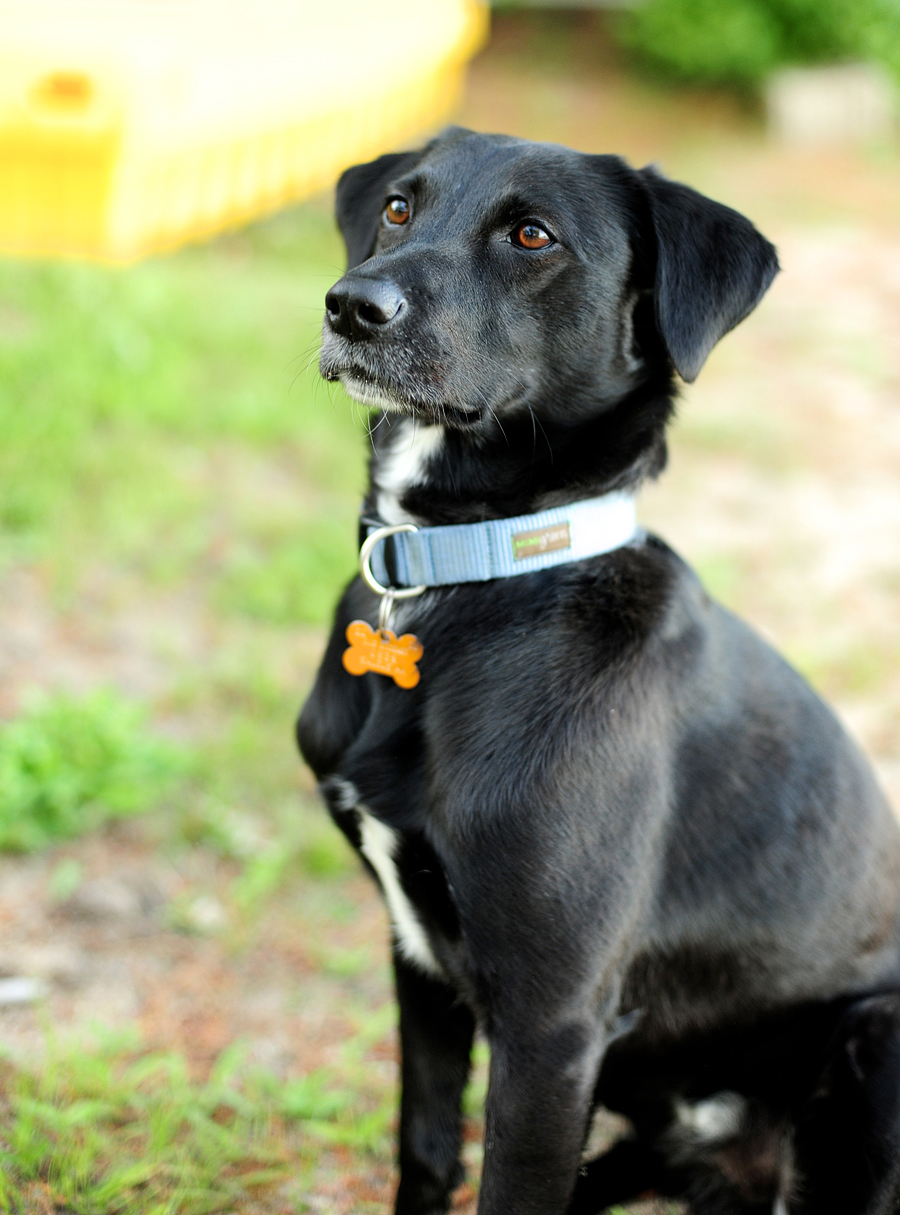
(375, 393)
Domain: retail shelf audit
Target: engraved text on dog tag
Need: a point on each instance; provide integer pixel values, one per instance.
(381, 651)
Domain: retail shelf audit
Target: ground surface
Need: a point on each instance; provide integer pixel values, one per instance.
(233, 914)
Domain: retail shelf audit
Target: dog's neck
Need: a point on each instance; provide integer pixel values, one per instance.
(433, 475)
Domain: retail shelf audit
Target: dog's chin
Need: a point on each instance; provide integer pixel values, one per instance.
(372, 394)
(377, 396)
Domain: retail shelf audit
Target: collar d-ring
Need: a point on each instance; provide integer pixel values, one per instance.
(365, 568)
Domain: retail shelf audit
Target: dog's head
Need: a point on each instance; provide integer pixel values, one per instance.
(491, 276)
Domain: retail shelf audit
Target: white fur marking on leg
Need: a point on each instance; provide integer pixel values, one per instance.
(379, 843)
(718, 1117)
(403, 465)
(780, 1206)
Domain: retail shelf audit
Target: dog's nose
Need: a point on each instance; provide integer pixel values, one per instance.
(362, 308)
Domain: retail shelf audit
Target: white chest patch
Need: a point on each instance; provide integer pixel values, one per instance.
(379, 843)
(402, 465)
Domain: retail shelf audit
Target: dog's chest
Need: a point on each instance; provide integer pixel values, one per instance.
(380, 845)
(402, 463)
(409, 873)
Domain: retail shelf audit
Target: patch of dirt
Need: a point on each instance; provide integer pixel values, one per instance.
(103, 636)
(113, 952)
(118, 631)
(292, 984)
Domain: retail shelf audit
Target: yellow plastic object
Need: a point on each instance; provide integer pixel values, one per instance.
(131, 126)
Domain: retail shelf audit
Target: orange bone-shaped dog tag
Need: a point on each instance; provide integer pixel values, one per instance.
(381, 651)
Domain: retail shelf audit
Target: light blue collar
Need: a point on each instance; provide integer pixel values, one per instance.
(498, 548)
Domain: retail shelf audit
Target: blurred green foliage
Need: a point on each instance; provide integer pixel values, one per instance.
(168, 417)
(287, 576)
(740, 42)
(68, 765)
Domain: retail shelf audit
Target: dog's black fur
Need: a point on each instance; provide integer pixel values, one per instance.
(633, 845)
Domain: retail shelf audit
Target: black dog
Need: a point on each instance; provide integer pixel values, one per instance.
(612, 827)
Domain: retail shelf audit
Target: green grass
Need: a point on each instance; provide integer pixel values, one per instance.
(166, 435)
(131, 400)
(111, 1127)
(69, 765)
(167, 440)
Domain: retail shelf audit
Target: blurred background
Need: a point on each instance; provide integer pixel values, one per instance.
(195, 999)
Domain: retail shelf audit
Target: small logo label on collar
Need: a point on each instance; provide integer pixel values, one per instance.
(381, 651)
(549, 539)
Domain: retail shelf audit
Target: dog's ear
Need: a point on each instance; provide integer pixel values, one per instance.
(360, 198)
(712, 269)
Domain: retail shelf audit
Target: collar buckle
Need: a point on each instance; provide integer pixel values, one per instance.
(387, 594)
(365, 568)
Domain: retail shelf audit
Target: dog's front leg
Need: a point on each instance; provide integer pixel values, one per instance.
(436, 1032)
(539, 1101)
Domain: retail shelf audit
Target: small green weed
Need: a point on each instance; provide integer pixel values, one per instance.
(69, 764)
(273, 850)
(476, 1091)
(321, 853)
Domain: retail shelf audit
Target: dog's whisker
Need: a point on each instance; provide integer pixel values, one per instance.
(544, 433)
(497, 420)
(385, 418)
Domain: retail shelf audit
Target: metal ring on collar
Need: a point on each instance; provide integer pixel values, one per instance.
(365, 569)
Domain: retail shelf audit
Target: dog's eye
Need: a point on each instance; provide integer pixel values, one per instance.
(531, 236)
(397, 211)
